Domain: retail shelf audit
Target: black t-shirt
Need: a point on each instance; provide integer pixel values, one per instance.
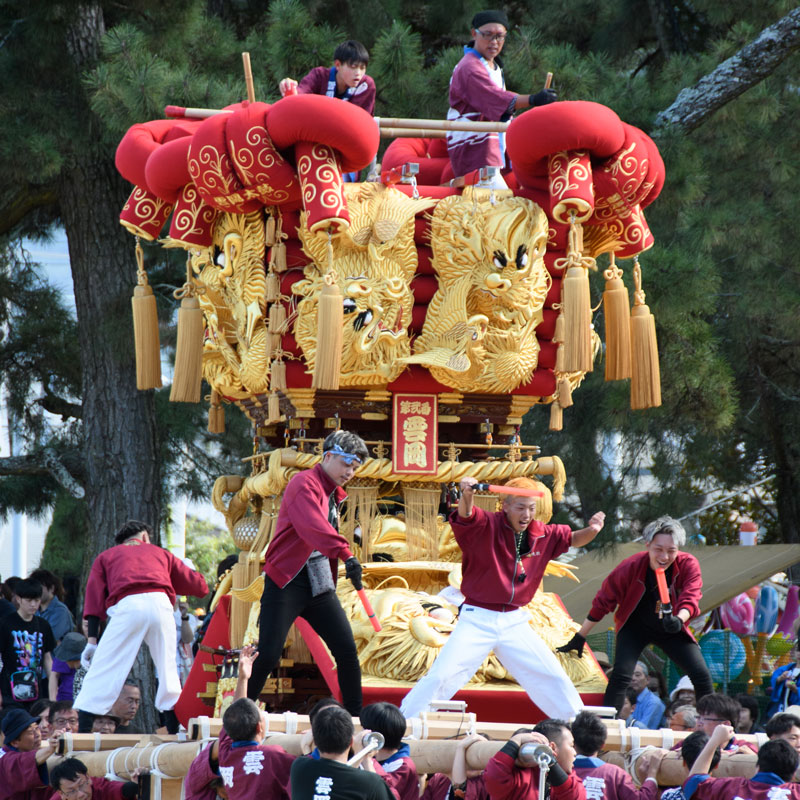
(22, 649)
(644, 615)
(335, 781)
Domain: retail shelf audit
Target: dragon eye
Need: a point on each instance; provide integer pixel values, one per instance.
(348, 305)
(500, 259)
(522, 256)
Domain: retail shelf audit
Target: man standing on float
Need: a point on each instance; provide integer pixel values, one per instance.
(301, 568)
(504, 557)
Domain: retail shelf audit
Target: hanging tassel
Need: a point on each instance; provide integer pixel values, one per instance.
(188, 375)
(274, 408)
(616, 307)
(273, 290)
(576, 306)
(330, 319)
(277, 253)
(277, 317)
(145, 329)
(216, 413)
(558, 337)
(556, 416)
(646, 373)
(270, 229)
(564, 392)
(277, 375)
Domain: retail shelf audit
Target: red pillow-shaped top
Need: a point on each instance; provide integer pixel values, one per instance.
(347, 129)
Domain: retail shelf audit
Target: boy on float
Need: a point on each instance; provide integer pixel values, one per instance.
(346, 80)
(504, 557)
(478, 94)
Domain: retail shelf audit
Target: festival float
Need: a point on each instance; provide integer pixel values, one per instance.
(426, 314)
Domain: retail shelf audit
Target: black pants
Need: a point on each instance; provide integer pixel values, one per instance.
(678, 646)
(280, 608)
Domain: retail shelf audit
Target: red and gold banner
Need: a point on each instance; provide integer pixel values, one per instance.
(415, 434)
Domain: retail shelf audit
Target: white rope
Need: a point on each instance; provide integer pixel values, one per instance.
(68, 749)
(636, 738)
(416, 727)
(623, 736)
(423, 715)
(205, 727)
(110, 774)
(761, 738)
(98, 742)
(291, 722)
(667, 738)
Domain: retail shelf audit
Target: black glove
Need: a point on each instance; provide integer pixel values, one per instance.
(671, 623)
(352, 570)
(543, 98)
(576, 643)
(556, 775)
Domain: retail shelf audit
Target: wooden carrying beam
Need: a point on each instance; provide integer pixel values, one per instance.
(70, 743)
(449, 725)
(172, 760)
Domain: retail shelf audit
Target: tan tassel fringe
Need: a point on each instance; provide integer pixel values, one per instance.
(616, 308)
(556, 416)
(330, 319)
(362, 509)
(274, 408)
(277, 317)
(145, 329)
(558, 337)
(576, 305)
(486, 501)
(564, 391)
(273, 290)
(646, 372)
(422, 511)
(277, 375)
(188, 376)
(277, 250)
(216, 413)
(270, 229)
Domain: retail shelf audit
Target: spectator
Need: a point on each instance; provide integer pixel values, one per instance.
(71, 780)
(507, 777)
(649, 708)
(785, 726)
(776, 764)
(657, 684)
(248, 768)
(63, 717)
(136, 582)
(105, 723)
(691, 747)
(6, 606)
(394, 757)
(52, 607)
(683, 692)
(748, 714)
(718, 709)
(330, 776)
(684, 718)
(23, 757)
(41, 709)
(66, 660)
(11, 586)
(628, 707)
(462, 782)
(603, 781)
(186, 625)
(126, 706)
(26, 646)
(783, 685)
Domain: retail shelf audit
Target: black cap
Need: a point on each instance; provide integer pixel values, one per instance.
(492, 15)
(16, 722)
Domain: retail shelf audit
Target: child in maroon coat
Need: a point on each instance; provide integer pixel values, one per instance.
(395, 764)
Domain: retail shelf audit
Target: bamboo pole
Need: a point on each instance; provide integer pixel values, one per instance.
(70, 743)
(441, 124)
(173, 760)
(448, 725)
(248, 77)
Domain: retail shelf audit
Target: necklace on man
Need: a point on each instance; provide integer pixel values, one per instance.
(518, 539)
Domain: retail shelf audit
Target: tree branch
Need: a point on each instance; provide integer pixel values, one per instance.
(44, 463)
(754, 62)
(58, 405)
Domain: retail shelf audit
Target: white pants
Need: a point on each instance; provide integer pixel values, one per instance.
(136, 618)
(519, 650)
